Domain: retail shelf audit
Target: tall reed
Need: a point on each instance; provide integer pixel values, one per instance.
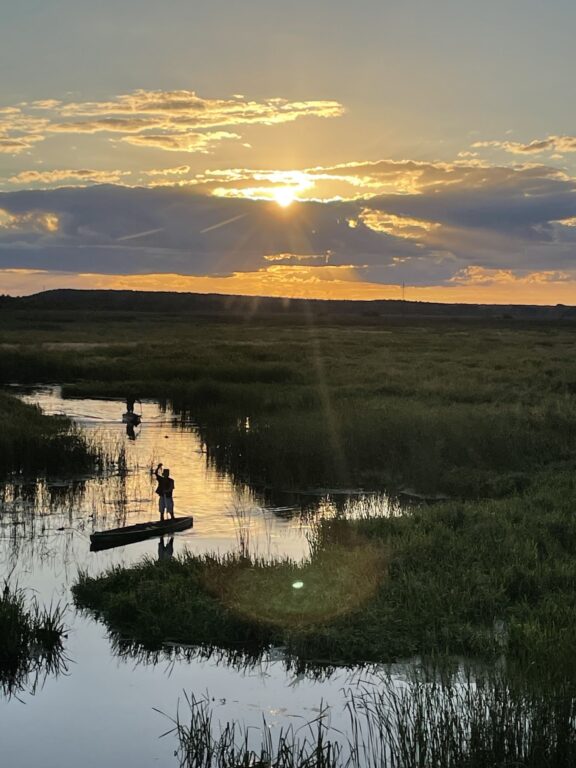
(421, 724)
(31, 642)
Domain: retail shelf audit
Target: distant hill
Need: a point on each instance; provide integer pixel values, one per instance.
(217, 305)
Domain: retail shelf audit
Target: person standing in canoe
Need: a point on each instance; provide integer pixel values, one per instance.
(164, 490)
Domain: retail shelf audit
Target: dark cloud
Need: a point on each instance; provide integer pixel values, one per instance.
(494, 218)
(99, 227)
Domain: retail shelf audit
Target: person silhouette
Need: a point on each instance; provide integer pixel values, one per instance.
(164, 490)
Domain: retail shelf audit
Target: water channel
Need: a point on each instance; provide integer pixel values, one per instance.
(102, 711)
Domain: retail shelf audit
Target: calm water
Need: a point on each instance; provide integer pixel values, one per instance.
(101, 712)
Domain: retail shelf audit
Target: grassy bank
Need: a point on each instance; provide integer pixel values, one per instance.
(30, 642)
(467, 409)
(32, 443)
(479, 579)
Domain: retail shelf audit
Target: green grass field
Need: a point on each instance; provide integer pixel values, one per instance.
(469, 409)
(483, 412)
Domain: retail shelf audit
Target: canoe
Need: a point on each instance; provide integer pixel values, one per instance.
(129, 534)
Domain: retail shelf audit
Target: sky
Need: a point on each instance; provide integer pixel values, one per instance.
(325, 149)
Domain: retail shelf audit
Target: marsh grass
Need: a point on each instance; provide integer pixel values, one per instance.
(32, 443)
(31, 642)
(460, 724)
(482, 579)
(202, 746)
(468, 409)
(234, 602)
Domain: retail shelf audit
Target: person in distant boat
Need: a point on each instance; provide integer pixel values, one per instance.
(164, 490)
(130, 404)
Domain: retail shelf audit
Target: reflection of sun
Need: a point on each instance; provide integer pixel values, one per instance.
(284, 196)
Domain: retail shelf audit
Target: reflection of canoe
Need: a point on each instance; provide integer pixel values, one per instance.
(131, 418)
(116, 537)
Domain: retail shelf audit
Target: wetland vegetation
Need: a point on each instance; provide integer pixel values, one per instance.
(478, 416)
(424, 724)
(479, 579)
(32, 444)
(468, 409)
(31, 641)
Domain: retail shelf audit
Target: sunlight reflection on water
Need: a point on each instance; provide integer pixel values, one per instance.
(107, 702)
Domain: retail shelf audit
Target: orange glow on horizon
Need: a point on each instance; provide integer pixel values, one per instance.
(286, 281)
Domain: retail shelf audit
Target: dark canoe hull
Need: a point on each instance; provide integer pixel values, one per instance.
(117, 537)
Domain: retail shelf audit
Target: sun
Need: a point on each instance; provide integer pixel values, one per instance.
(284, 196)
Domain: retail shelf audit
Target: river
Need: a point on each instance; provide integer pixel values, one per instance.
(104, 709)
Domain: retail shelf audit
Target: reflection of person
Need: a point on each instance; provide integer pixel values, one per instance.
(165, 551)
(130, 431)
(164, 490)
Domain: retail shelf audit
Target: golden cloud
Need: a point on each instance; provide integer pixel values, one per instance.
(18, 131)
(107, 125)
(549, 144)
(186, 142)
(78, 175)
(180, 170)
(200, 112)
(365, 180)
(475, 276)
(33, 221)
(170, 120)
(398, 226)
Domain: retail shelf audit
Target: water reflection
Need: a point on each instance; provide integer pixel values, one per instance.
(45, 525)
(226, 513)
(32, 642)
(165, 550)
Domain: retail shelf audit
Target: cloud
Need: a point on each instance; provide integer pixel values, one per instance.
(490, 277)
(454, 218)
(559, 144)
(169, 120)
(364, 180)
(180, 170)
(192, 233)
(181, 142)
(172, 120)
(107, 125)
(86, 176)
(17, 145)
(19, 132)
(399, 226)
(194, 111)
